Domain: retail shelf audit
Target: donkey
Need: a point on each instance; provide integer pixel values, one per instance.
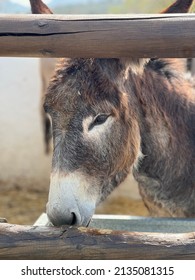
(111, 117)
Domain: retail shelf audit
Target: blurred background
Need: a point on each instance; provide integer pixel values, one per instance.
(24, 165)
(89, 6)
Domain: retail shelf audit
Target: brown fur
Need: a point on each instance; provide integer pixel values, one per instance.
(160, 104)
(38, 7)
(149, 128)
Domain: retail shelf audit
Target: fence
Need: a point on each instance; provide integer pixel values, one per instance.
(95, 36)
(40, 242)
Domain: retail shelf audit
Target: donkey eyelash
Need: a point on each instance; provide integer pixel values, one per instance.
(98, 120)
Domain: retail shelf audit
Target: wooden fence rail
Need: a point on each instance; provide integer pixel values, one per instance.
(38, 242)
(108, 36)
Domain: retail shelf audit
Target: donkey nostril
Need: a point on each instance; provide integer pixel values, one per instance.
(59, 218)
(74, 219)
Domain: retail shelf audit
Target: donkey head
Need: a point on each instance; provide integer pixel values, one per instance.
(96, 133)
(96, 137)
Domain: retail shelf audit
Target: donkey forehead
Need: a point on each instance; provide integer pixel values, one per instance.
(82, 88)
(73, 103)
(63, 100)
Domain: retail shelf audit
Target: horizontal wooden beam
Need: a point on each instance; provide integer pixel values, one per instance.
(38, 242)
(108, 36)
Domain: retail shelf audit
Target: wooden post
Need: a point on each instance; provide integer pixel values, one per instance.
(37, 242)
(164, 35)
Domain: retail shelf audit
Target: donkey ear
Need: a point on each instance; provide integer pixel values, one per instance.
(179, 6)
(38, 7)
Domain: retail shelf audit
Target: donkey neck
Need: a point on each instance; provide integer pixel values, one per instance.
(166, 105)
(166, 115)
(166, 173)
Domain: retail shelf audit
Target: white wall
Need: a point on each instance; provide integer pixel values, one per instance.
(22, 159)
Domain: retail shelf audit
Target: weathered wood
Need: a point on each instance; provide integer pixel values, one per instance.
(32, 242)
(98, 36)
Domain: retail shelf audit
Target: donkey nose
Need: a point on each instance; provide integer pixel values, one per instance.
(69, 200)
(59, 218)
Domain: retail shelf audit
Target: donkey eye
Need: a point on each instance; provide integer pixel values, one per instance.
(99, 119)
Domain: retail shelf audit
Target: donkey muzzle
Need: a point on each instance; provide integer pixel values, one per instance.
(70, 201)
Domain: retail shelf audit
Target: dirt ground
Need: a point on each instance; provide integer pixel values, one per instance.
(22, 206)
